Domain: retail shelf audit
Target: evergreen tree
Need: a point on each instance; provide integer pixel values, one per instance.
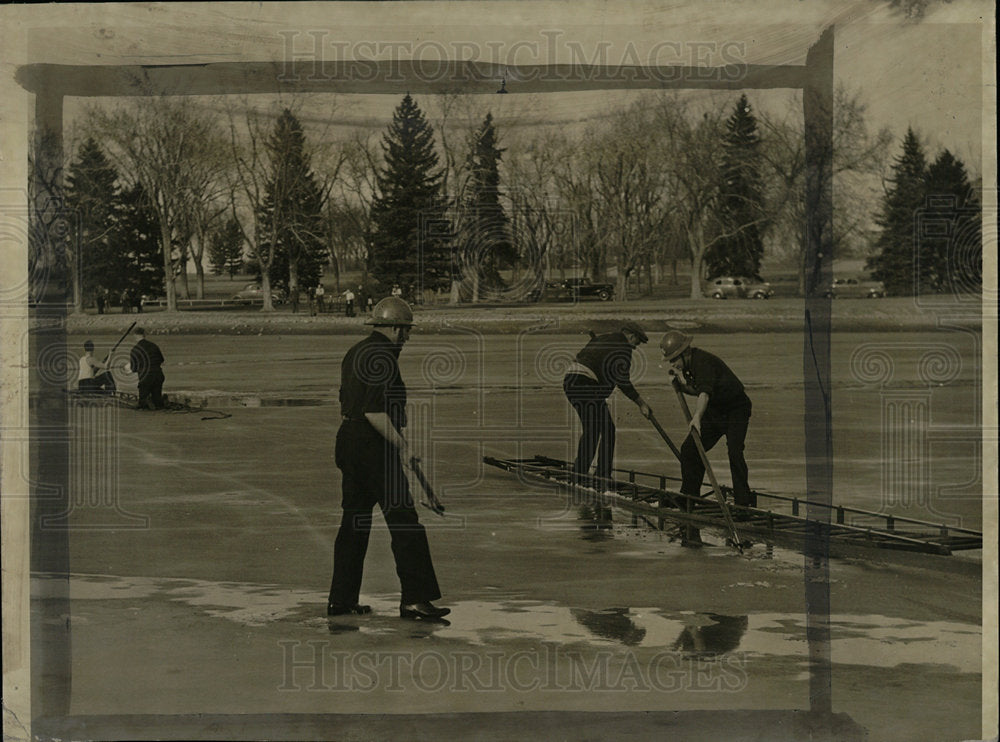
(485, 233)
(950, 238)
(738, 248)
(410, 233)
(893, 265)
(92, 199)
(292, 212)
(225, 249)
(138, 264)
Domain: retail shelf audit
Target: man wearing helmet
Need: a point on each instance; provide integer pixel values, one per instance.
(603, 364)
(371, 452)
(722, 409)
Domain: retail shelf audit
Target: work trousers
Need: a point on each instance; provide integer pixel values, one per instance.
(151, 389)
(102, 383)
(589, 399)
(373, 474)
(731, 421)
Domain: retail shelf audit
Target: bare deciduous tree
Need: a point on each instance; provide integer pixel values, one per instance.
(860, 159)
(166, 144)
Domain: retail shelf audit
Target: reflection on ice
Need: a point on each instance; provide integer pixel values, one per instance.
(716, 635)
(508, 623)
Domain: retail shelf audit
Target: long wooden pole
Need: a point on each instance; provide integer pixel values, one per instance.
(737, 542)
(664, 436)
(124, 335)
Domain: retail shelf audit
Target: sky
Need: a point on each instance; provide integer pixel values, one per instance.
(923, 74)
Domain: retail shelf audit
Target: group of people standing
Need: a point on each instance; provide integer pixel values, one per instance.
(353, 302)
(129, 300)
(373, 453)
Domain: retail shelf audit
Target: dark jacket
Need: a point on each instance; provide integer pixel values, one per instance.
(370, 381)
(708, 374)
(145, 358)
(609, 356)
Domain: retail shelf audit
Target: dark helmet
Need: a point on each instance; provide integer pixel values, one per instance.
(673, 343)
(390, 312)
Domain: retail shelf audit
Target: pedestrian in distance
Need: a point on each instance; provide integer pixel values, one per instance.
(311, 293)
(146, 360)
(320, 298)
(100, 300)
(349, 303)
(722, 409)
(94, 376)
(372, 453)
(370, 306)
(603, 364)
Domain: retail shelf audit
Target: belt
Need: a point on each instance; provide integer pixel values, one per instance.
(355, 419)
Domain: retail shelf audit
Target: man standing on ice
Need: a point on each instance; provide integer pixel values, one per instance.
(146, 360)
(722, 409)
(603, 364)
(371, 452)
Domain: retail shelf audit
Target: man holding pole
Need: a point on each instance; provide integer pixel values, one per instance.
(722, 409)
(371, 452)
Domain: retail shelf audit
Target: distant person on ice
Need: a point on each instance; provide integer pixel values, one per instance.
(94, 376)
(603, 364)
(371, 453)
(722, 409)
(146, 360)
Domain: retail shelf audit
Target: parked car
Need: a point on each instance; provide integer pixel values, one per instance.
(580, 288)
(737, 287)
(254, 293)
(856, 288)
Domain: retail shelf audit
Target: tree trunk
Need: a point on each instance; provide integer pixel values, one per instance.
(293, 284)
(168, 267)
(199, 288)
(77, 279)
(183, 275)
(621, 287)
(265, 288)
(697, 237)
(199, 269)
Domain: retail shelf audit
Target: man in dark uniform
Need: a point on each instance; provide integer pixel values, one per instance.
(603, 364)
(371, 452)
(146, 360)
(722, 409)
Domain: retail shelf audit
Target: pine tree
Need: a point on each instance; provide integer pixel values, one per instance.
(950, 240)
(138, 262)
(738, 248)
(225, 249)
(409, 240)
(893, 265)
(293, 210)
(92, 198)
(485, 234)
